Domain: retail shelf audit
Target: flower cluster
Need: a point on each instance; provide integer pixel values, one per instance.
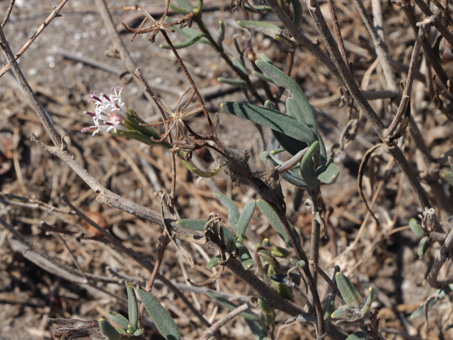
(109, 113)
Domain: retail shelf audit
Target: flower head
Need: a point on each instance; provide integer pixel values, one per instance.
(109, 113)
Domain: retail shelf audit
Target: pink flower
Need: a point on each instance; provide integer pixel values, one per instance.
(109, 113)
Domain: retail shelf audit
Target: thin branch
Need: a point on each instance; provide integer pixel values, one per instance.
(354, 90)
(46, 22)
(210, 332)
(336, 29)
(413, 67)
(380, 46)
(433, 60)
(8, 13)
(301, 38)
(42, 115)
(437, 22)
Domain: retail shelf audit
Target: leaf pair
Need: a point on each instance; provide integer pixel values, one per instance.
(132, 326)
(356, 308)
(295, 130)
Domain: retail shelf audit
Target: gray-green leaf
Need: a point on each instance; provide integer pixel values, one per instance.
(271, 119)
(244, 220)
(164, 323)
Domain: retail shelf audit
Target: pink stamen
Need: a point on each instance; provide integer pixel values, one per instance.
(90, 113)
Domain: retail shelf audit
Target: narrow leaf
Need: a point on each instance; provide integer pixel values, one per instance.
(345, 312)
(366, 306)
(328, 174)
(261, 26)
(133, 309)
(423, 246)
(191, 224)
(448, 177)
(262, 76)
(273, 219)
(118, 320)
(240, 66)
(232, 82)
(233, 212)
(244, 256)
(214, 262)
(221, 33)
(164, 323)
(271, 119)
(297, 105)
(108, 330)
(357, 336)
(307, 166)
(416, 227)
(186, 4)
(350, 295)
(244, 219)
(330, 300)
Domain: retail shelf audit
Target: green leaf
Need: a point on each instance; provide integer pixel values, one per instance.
(214, 262)
(232, 82)
(297, 17)
(221, 33)
(244, 256)
(357, 336)
(290, 144)
(330, 300)
(133, 309)
(273, 219)
(279, 252)
(420, 310)
(416, 227)
(307, 166)
(108, 330)
(262, 77)
(258, 330)
(448, 177)
(258, 8)
(329, 173)
(189, 33)
(268, 311)
(164, 323)
(191, 224)
(186, 4)
(195, 224)
(423, 246)
(240, 66)
(271, 119)
(438, 295)
(297, 105)
(350, 295)
(244, 220)
(233, 212)
(261, 26)
(367, 305)
(118, 320)
(345, 312)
